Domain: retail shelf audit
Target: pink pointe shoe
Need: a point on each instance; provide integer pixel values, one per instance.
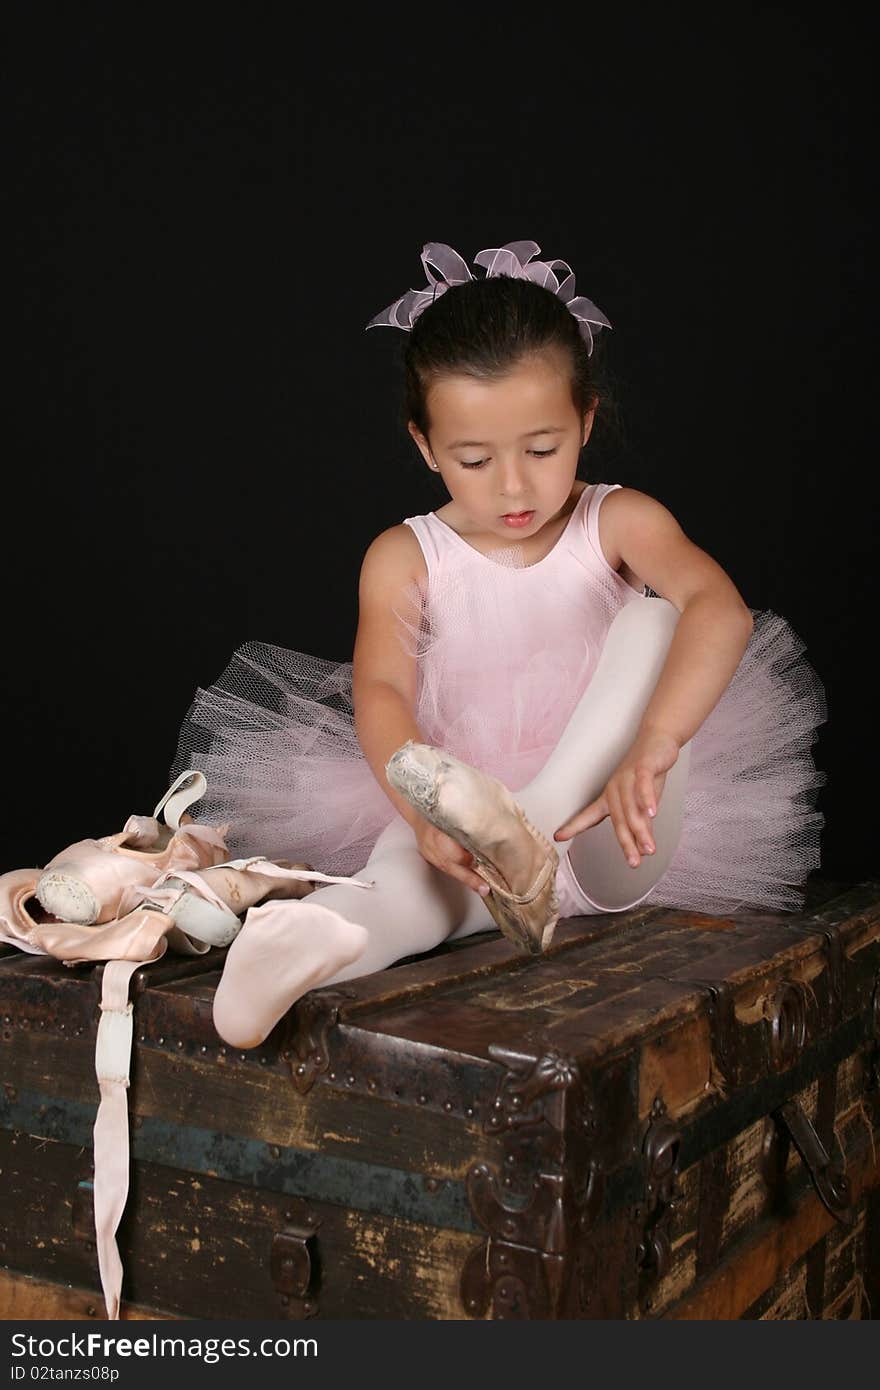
(142, 935)
(479, 813)
(211, 903)
(86, 882)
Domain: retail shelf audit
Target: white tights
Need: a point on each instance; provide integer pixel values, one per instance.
(414, 906)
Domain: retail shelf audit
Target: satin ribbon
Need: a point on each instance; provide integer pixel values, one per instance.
(515, 260)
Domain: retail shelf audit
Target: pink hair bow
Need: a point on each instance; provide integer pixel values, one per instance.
(516, 260)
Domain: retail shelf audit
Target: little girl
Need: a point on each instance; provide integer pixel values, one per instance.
(565, 638)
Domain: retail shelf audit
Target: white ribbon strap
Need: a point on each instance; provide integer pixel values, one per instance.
(190, 786)
(110, 1135)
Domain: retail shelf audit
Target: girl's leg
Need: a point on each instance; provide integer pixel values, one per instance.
(594, 875)
(340, 932)
(602, 727)
(343, 931)
(411, 909)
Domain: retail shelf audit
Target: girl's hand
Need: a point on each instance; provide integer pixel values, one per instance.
(445, 853)
(631, 795)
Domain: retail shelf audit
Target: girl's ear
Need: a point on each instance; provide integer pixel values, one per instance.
(421, 441)
(588, 424)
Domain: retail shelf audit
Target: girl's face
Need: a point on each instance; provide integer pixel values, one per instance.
(508, 446)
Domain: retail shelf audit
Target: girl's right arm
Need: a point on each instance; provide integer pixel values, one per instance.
(384, 686)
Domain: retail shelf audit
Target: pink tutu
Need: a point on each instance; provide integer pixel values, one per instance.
(751, 831)
(275, 736)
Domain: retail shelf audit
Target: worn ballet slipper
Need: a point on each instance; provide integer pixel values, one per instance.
(192, 904)
(283, 950)
(86, 882)
(479, 813)
(141, 935)
(211, 903)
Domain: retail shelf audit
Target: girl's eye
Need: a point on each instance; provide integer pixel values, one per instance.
(538, 453)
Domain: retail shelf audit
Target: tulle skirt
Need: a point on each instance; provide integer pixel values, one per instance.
(275, 738)
(751, 831)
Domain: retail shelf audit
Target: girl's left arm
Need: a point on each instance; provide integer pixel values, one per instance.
(710, 637)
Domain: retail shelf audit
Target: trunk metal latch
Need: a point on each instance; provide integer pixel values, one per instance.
(293, 1269)
(829, 1180)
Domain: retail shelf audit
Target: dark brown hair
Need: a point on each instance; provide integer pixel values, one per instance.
(483, 329)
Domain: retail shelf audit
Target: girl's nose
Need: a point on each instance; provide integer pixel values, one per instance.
(511, 480)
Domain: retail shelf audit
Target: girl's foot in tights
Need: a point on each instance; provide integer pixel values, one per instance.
(282, 951)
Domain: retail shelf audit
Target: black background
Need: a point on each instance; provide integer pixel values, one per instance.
(201, 438)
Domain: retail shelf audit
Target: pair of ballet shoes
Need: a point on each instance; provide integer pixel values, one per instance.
(142, 934)
(181, 906)
(427, 777)
(115, 897)
(98, 881)
(86, 882)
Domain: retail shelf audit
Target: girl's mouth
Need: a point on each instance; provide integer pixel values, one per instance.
(517, 518)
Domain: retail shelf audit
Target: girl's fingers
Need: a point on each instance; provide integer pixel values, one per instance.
(636, 812)
(647, 794)
(631, 805)
(459, 873)
(590, 815)
(462, 870)
(443, 853)
(627, 843)
(621, 828)
(631, 799)
(469, 880)
(453, 859)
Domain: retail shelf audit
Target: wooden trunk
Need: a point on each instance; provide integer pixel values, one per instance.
(666, 1115)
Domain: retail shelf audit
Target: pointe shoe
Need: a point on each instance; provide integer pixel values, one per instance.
(210, 904)
(479, 813)
(141, 935)
(86, 882)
